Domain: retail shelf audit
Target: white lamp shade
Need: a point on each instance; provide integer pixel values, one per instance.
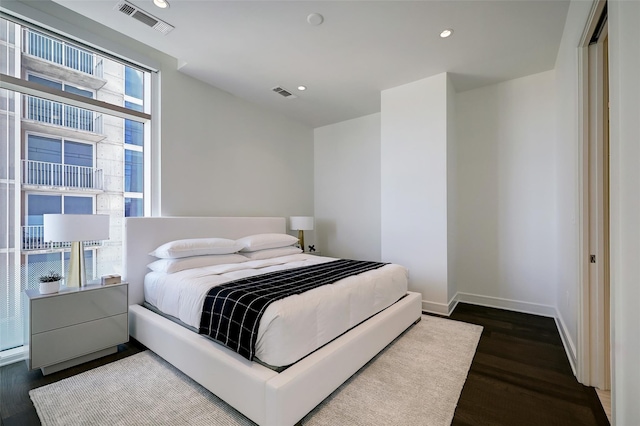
(76, 227)
(301, 223)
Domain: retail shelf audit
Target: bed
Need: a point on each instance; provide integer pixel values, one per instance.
(265, 396)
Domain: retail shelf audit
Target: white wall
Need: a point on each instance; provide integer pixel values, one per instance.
(223, 156)
(624, 34)
(414, 185)
(506, 246)
(347, 188)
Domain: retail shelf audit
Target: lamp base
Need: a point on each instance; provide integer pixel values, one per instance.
(301, 239)
(76, 276)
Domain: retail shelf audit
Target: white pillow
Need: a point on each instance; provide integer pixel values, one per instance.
(170, 266)
(274, 252)
(196, 247)
(266, 241)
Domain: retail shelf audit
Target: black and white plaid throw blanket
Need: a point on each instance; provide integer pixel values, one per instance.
(232, 311)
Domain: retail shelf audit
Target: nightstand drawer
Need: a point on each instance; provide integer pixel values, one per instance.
(66, 309)
(66, 343)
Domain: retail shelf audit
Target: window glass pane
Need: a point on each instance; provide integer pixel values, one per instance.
(44, 81)
(42, 204)
(7, 230)
(132, 105)
(133, 171)
(77, 91)
(7, 138)
(78, 154)
(133, 133)
(78, 205)
(7, 103)
(44, 149)
(7, 59)
(133, 82)
(41, 264)
(11, 319)
(7, 31)
(133, 207)
(133, 130)
(58, 158)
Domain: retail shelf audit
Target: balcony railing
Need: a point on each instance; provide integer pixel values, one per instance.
(59, 114)
(62, 53)
(61, 175)
(33, 239)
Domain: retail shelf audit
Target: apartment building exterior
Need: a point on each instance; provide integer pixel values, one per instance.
(60, 158)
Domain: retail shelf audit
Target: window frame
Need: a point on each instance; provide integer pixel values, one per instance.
(16, 85)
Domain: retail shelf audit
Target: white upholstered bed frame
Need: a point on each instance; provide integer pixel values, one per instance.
(264, 396)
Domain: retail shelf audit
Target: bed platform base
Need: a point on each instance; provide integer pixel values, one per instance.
(264, 396)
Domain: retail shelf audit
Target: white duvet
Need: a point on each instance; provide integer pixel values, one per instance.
(293, 327)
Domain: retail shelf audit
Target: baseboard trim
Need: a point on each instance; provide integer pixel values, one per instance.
(508, 304)
(524, 307)
(452, 304)
(569, 346)
(435, 307)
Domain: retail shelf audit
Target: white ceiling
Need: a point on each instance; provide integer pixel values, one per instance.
(248, 47)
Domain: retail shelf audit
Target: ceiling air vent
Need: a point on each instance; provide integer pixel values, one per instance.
(284, 92)
(144, 17)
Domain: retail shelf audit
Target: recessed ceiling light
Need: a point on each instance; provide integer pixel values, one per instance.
(302, 87)
(446, 33)
(315, 19)
(162, 4)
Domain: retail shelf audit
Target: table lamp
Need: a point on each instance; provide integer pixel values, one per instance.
(76, 228)
(301, 224)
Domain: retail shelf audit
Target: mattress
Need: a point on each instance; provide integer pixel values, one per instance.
(293, 327)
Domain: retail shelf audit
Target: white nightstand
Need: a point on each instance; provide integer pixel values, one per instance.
(75, 325)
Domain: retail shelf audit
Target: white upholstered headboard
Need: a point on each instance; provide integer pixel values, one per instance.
(144, 234)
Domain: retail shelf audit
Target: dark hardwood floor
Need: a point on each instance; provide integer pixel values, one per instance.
(520, 376)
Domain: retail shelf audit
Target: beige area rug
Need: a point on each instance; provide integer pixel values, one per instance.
(416, 380)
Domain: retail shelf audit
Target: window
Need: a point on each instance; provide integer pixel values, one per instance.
(134, 83)
(45, 165)
(62, 154)
(39, 204)
(41, 148)
(78, 154)
(133, 131)
(133, 171)
(78, 205)
(134, 143)
(133, 207)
